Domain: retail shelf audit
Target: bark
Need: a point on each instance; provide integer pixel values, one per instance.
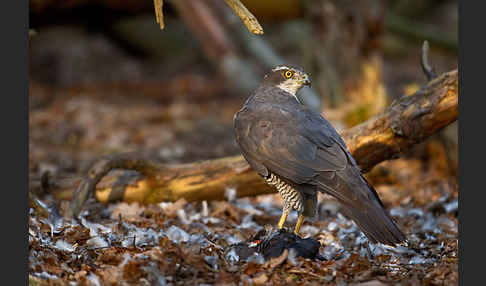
(406, 122)
(246, 16)
(159, 13)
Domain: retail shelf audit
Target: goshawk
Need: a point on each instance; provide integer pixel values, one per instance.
(300, 153)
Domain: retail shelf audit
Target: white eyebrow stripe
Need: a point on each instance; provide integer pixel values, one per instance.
(281, 68)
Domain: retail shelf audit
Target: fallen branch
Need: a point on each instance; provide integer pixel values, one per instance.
(102, 167)
(406, 122)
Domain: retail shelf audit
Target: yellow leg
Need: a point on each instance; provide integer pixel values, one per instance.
(300, 220)
(282, 220)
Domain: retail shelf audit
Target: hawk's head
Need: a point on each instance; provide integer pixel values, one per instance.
(288, 78)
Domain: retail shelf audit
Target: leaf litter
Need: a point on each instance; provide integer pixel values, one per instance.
(221, 242)
(195, 243)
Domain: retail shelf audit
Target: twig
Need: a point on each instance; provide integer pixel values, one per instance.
(424, 62)
(159, 15)
(246, 16)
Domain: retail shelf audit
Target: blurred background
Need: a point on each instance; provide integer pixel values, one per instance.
(105, 78)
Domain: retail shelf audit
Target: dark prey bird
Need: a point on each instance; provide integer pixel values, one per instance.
(299, 152)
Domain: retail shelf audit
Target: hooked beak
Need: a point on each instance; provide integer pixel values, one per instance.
(307, 81)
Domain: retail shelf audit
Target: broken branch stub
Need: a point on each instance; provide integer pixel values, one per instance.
(424, 62)
(408, 121)
(159, 15)
(246, 16)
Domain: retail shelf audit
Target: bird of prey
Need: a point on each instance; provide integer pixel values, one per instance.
(299, 152)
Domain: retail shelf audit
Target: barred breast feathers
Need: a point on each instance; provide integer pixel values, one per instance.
(292, 198)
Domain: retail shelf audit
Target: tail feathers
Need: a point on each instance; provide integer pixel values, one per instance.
(376, 224)
(361, 202)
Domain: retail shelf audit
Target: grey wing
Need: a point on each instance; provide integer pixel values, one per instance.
(358, 189)
(304, 148)
(360, 202)
(280, 141)
(359, 199)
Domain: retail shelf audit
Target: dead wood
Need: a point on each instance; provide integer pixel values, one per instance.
(102, 167)
(406, 122)
(424, 62)
(159, 14)
(246, 16)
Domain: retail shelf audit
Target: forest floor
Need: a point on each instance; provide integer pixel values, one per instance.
(187, 243)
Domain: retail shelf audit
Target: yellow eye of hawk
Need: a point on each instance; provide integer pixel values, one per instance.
(288, 74)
